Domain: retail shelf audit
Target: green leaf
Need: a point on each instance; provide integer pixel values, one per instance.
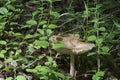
(3, 42)
(102, 29)
(11, 7)
(100, 73)
(117, 25)
(41, 31)
(55, 14)
(20, 77)
(39, 44)
(43, 38)
(60, 75)
(31, 22)
(95, 20)
(52, 26)
(91, 54)
(32, 70)
(3, 10)
(99, 41)
(91, 38)
(105, 49)
(40, 57)
(86, 12)
(1, 65)
(49, 32)
(50, 59)
(95, 77)
(57, 46)
(9, 78)
(42, 22)
(1, 55)
(30, 36)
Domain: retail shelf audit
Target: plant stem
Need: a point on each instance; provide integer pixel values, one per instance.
(72, 65)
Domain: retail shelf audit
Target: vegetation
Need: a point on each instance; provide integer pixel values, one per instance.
(25, 28)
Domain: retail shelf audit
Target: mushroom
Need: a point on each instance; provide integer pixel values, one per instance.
(73, 46)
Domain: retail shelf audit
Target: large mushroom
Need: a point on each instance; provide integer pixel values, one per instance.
(73, 46)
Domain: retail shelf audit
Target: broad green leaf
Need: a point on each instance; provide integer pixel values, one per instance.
(35, 13)
(3, 42)
(30, 36)
(95, 20)
(49, 32)
(11, 7)
(100, 73)
(50, 59)
(105, 49)
(20, 77)
(57, 46)
(60, 75)
(9, 78)
(95, 77)
(55, 14)
(44, 70)
(31, 22)
(3, 10)
(1, 55)
(43, 38)
(41, 31)
(39, 44)
(91, 38)
(54, 64)
(102, 29)
(52, 26)
(42, 22)
(99, 41)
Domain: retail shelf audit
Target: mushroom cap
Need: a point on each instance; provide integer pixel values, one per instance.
(72, 44)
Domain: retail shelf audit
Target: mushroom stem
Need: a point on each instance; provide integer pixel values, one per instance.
(72, 65)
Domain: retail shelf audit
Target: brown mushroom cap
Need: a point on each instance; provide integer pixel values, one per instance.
(72, 44)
